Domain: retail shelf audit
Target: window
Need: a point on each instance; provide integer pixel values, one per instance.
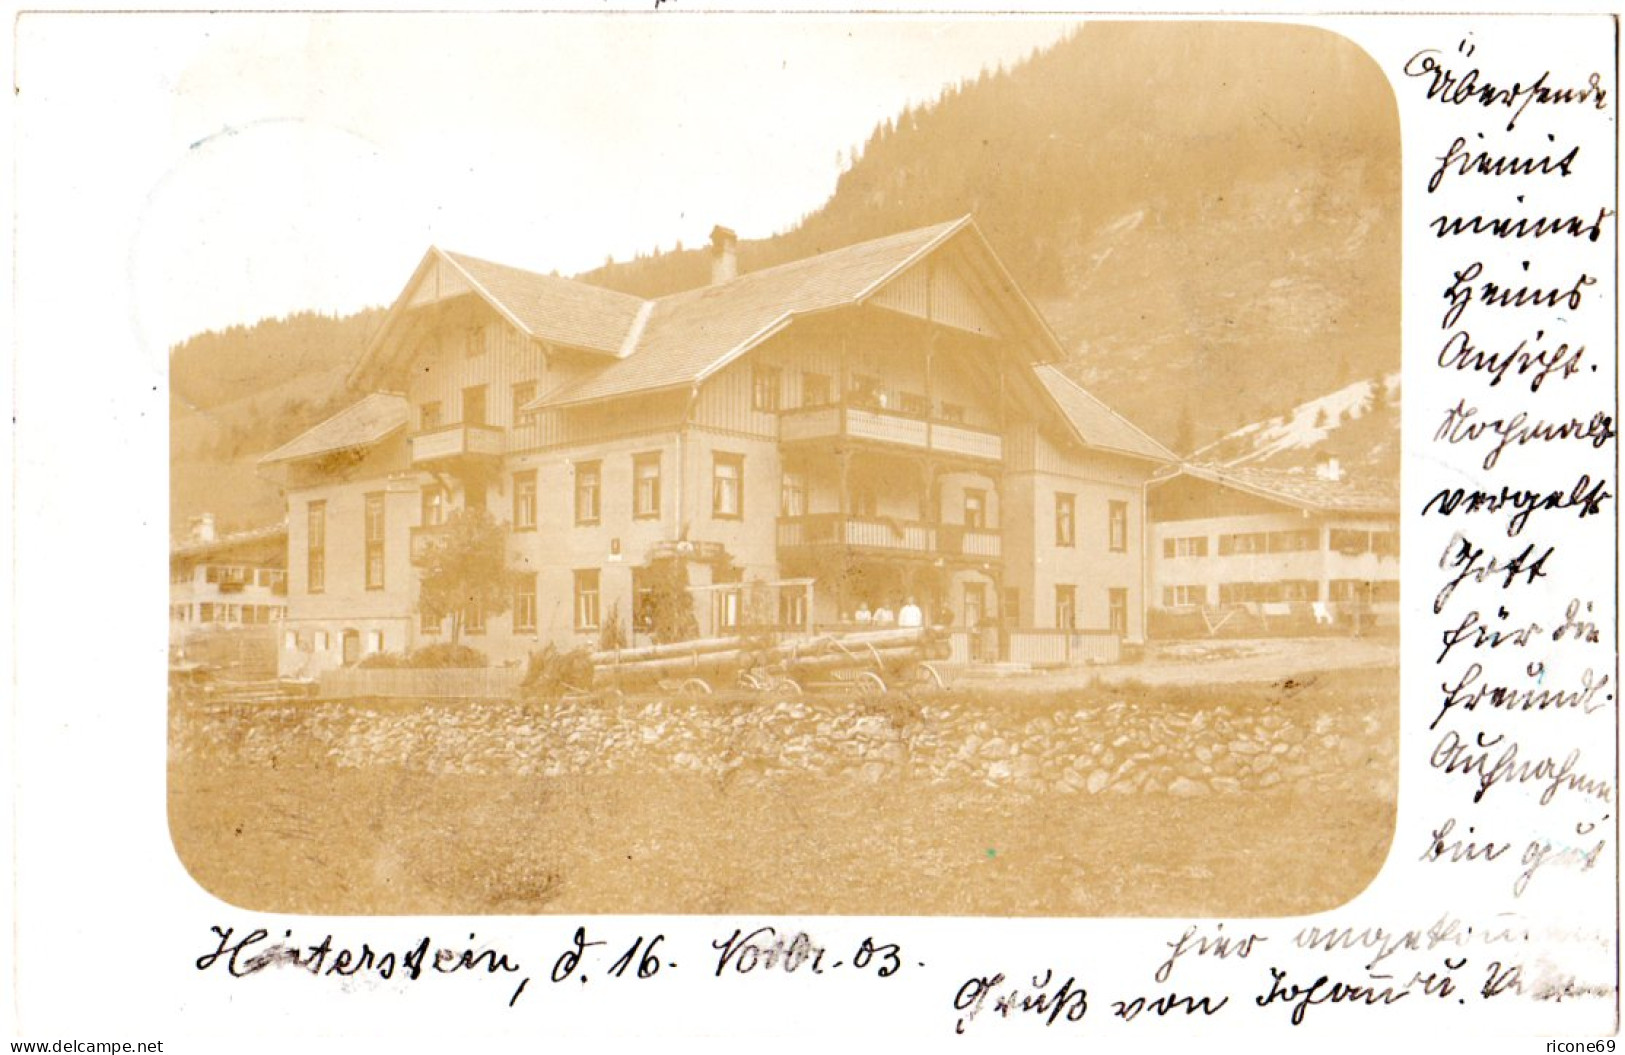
(474, 495)
(290, 641)
(914, 405)
(1247, 542)
(1117, 526)
(1349, 543)
(815, 390)
(793, 495)
(646, 485)
(474, 341)
(953, 413)
(725, 604)
(764, 387)
(524, 604)
(587, 480)
(375, 541)
(428, 624)
(975, 509)
(1182, 596)
(1294, 541)
(587, 599)
(375, 642)
(316, 547)
(728, 486)
(864, 501)
(474, 619)
(793, 608)
(474, 405)
(434, 506)
(321, 641)
(1066, 607)
(865, 390)
(523, 393)
(1117, 610)
(524, 501)
(211, 573)
(1301, 590)
(429, 416)
(1187, 546)
(1065, 509)
(1385, 543)
(1012, 606)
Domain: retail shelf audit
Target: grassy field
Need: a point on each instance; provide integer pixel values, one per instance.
(963, 804)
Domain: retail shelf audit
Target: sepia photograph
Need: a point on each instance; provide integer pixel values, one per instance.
(815, 466)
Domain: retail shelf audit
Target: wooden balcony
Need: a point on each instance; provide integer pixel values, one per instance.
(883, 535)
(453, 443)
(870, 425)
(425, 536)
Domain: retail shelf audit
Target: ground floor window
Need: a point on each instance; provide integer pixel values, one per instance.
(1117, 611)
(524, 604)
(1180, 596)
(586, 591)
(1066, 607)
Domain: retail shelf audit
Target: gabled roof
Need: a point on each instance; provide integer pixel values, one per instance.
(1301, 489)
(1096, 424)
(250, 538)
(689, 336)
(359, 425)
(558, 310)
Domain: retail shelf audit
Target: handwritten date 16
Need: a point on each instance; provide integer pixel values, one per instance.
(766, 948)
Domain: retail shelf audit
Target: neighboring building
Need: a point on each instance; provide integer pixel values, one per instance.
(847, 430)
(227, 583)
(1300, 546)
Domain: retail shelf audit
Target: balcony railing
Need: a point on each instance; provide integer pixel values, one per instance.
(883, 534)
(425, 536)
(840, 420)
(451, 442)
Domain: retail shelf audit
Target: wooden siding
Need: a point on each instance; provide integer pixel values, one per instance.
(937, 292)
(442, 369)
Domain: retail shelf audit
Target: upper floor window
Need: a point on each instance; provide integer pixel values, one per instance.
(524, 501)
(913, 404)
(1117, 526)
(429, 416)
(316, 546)
(374, 531)
(1243, 542)
(587, 481)
(646, 485)
(953, 413)
(1185, 546)
(1065, 519)
(474, 341)
(975, 509)
(816, 390)
(728, 486)
(764, 387)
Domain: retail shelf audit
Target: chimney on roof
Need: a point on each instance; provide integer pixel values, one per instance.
(724, 255)
(203, 528)
(1329, 468)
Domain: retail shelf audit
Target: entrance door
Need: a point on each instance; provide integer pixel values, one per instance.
(352, 647)
(975, 609)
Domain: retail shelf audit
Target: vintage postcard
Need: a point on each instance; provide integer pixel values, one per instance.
(1055, 529)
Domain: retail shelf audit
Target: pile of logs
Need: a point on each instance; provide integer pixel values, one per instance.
(877, 650)
(683, 659)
